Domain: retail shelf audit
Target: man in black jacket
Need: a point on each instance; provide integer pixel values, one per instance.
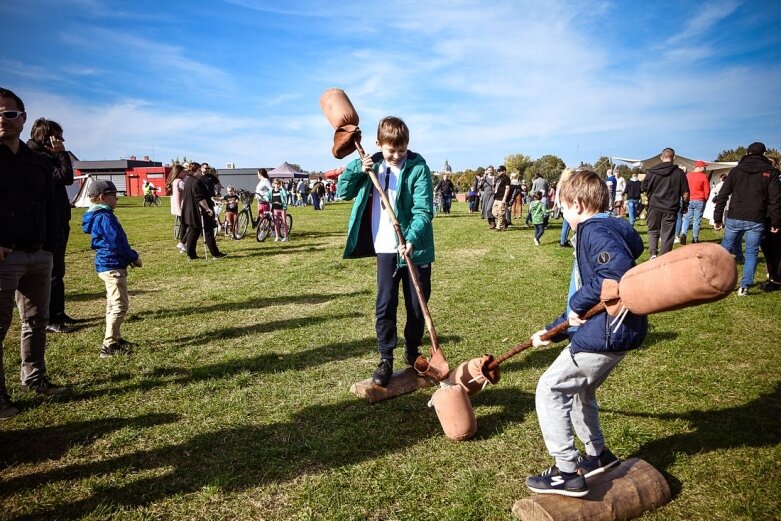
(46, 138)
(668, 192)
(445, 189)
(28, 234)
(756, 196)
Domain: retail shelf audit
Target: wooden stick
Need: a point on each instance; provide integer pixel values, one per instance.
(555, 331)
(413, 272)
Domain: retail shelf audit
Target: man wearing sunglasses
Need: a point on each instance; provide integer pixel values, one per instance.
(28, 234)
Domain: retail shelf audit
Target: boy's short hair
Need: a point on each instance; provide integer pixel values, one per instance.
(588, 189)
(392, 131)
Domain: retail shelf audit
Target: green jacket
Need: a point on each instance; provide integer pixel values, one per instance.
(538, 212)
(414, 208)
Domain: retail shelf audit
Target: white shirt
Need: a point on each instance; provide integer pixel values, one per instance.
(262, 190)
(382, 229)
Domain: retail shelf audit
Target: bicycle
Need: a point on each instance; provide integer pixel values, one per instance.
(264, 224)
(151, 199)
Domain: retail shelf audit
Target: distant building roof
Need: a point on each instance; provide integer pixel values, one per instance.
(446, 168)
(117, 164)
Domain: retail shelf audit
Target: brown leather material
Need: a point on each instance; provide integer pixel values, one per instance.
(685, 277)
(455, 412)
(469, 375)
(344, 141)
(338, 108)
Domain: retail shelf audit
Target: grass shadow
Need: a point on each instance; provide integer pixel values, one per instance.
(516, 405)
(253, 303)
(756, 423)
(51, 443)
(315, 439)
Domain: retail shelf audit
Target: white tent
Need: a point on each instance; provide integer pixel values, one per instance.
(714, 169)
(77, 192)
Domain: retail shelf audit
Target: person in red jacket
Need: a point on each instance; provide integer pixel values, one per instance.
(699, 191)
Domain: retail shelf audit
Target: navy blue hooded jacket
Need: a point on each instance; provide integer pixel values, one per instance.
(112, 251)
(605, 248)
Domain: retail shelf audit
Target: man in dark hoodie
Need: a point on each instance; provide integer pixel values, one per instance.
(46, 138)
(756, 196)
(666, 186)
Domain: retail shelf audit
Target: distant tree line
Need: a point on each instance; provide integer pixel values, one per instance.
(551, 166)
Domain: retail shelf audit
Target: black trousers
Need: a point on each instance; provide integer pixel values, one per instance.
(191, 238)
(661, 225)
(771, 249)
(57, 300)
(388, 279)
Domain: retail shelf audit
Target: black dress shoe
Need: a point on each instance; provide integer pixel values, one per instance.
(411, 357)
(382, 374)
(56, 327)
(65, 319)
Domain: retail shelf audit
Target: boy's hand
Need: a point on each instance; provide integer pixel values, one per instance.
(137, 263)
(575, 320)
(367, 162)
(537, 341)
(405, 248)
(3, 252)
(718, 226)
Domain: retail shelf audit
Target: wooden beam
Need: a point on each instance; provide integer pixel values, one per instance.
(401, 382)
(621, 493)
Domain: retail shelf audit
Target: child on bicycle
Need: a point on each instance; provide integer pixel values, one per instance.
(231, 201)
(279, 208)
(406, 179)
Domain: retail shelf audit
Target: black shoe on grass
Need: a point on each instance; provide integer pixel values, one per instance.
(45, 388)
(7, 407)
(114, 350)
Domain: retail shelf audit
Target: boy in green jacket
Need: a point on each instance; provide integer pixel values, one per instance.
(406, 180)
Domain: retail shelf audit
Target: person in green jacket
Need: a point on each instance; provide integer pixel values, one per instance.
(539, 214)
(406, 179)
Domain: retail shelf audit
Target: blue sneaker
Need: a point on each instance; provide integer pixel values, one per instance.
(592, 465)
(553, 481)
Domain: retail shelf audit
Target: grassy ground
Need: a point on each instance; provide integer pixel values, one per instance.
(236, 403)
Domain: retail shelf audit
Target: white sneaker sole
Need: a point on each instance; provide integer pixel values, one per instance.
(600, 470)
(558, 492)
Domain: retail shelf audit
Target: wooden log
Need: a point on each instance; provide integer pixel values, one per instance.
(621, 493)
(401, 382)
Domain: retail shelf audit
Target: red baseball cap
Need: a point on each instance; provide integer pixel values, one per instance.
(698, 164)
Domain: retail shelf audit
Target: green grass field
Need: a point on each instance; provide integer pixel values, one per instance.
(236, 403)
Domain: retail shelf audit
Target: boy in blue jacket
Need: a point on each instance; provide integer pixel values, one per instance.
(113, 255)
(605, 248)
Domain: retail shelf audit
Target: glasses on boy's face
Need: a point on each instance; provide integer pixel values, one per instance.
(11, 114)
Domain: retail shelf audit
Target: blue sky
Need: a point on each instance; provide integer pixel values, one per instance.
(240, 80)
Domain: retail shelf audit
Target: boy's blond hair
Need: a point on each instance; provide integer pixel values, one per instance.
(95, 199)
(586, 188)
(392, 131)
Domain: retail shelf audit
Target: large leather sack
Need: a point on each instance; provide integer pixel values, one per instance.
(684, 277)
(343, 117)
(455, 413)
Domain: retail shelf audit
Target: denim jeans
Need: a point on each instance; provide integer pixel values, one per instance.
(631, 207)
(694, 214)
(733, 228)
(564, 232)
(678, 223)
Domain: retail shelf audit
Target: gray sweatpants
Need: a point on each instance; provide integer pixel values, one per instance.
(566, 399)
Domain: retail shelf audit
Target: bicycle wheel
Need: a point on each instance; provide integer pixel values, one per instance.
(157, 201)
(264, 229)
(177, 227)
(289, 223)
(241, 225)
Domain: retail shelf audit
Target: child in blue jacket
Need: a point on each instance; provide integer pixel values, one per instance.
(113, 255)
(605, 248)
